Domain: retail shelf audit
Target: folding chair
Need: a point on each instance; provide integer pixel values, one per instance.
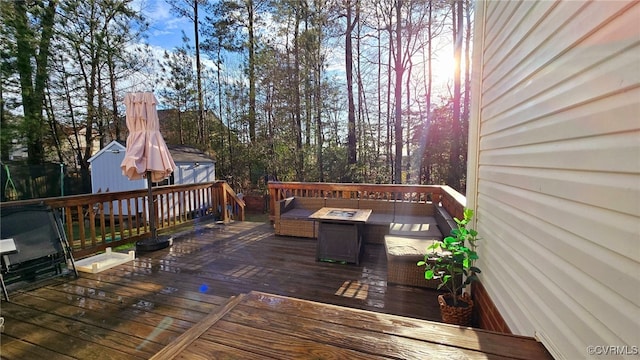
(7, 246)
(41, 245)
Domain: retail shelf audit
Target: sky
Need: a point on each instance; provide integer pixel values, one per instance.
(165, 28)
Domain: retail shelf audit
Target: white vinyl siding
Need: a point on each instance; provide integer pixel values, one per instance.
(554, 168)
(188, 173)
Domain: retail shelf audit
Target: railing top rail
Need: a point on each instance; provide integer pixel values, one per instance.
(71, 200)
(323, 185)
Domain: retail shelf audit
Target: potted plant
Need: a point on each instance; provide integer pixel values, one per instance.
(452, 262)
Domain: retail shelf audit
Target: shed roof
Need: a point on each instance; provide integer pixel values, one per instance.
(179, 153)
(114, 146)
(184, 153)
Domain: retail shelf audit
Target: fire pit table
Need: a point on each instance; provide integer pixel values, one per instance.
(340, 233)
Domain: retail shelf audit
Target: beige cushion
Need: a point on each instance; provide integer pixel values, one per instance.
(407, 247)
(341, 203)
(426, 227)
(378, 206)
(414, 208)
(297, 214)
(380, 219)
(308, 203)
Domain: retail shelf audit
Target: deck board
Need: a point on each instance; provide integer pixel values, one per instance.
(135, 309)
(20, 349)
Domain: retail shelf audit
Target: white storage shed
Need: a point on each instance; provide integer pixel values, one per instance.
(106, 174)
(193, 165)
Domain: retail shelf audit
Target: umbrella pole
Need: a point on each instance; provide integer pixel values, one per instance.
(152, 209)
(154, 243)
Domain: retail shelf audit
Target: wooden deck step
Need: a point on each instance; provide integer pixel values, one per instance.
(197, 330)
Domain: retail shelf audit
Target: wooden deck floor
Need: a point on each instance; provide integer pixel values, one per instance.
(132, 311)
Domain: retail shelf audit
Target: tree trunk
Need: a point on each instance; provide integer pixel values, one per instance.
(388, 143)
(378, 137)
(409, 119)
(252, 72)
(398, 95)
(220, 117)
(33, 89)
(362, 152)
(351, 123)
(467, 98)
(51, 119)
(456, 139)
(4, 145)
(318, 95)
(100, 112)
(114, 101)
(202, 128)
(296, 97)
(424, 175)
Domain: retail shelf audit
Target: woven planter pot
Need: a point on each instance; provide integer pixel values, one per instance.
(456, 315)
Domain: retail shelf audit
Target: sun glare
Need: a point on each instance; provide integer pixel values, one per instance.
(443, 69)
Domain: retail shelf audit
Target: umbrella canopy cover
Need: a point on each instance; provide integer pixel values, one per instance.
(146, 149)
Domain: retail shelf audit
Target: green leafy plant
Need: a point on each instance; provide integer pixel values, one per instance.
(456, 257)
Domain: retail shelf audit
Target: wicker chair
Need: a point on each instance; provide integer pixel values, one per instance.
(292, 217)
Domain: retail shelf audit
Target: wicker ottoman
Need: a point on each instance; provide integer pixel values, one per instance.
(403, 254)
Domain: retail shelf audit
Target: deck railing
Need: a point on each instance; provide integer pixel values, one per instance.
(94, 222)
(451, 200)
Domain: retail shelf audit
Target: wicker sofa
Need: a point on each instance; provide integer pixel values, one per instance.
(292, 215)
(406, 229)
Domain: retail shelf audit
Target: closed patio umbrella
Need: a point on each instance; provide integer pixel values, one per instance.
(147, 155)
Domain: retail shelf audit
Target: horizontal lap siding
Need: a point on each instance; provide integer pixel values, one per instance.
(558, 170)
